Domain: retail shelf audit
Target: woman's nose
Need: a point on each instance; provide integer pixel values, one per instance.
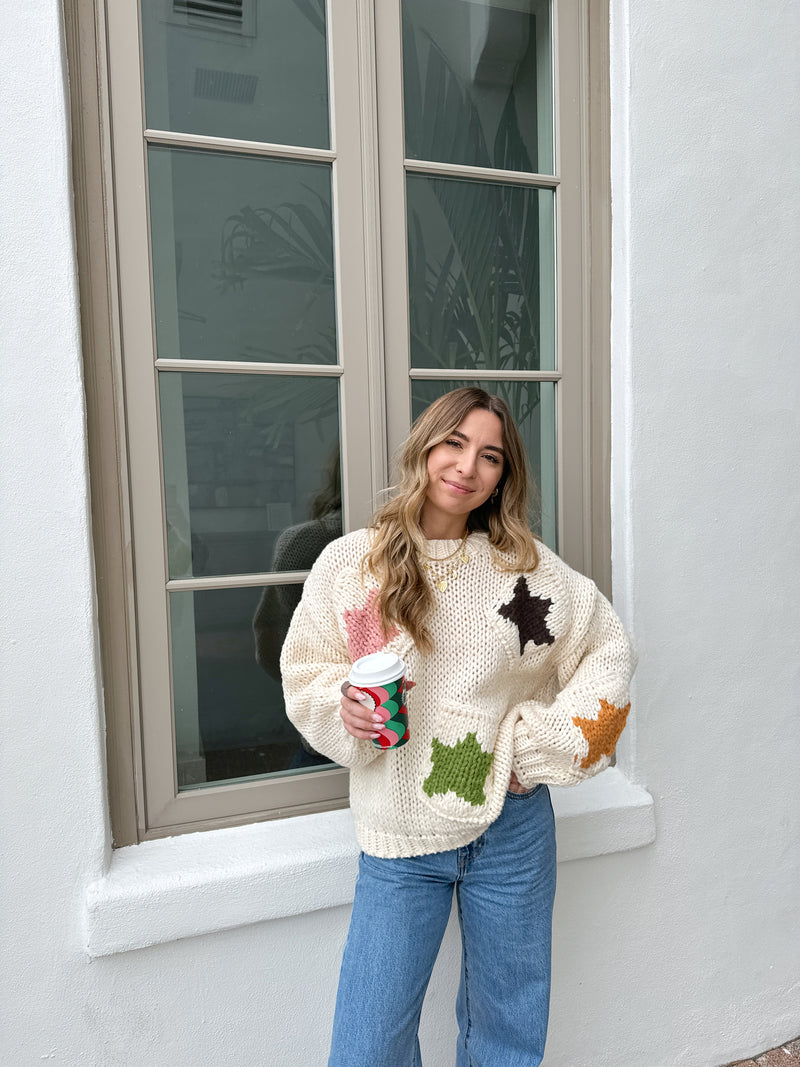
(466, 463)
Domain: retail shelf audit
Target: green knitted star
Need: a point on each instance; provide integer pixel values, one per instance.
(461, 768)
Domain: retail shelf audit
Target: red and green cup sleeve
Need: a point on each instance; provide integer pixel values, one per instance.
(389, 697)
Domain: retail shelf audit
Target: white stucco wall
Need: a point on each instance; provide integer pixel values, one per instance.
(684, 952)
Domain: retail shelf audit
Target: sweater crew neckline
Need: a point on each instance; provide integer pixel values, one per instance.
(440, 547)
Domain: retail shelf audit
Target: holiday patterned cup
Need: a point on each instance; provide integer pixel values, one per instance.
(381, 677)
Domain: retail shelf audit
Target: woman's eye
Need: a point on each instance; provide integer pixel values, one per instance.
(454, 443)
(491, 458)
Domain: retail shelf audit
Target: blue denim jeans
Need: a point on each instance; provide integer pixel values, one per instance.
(504, 883)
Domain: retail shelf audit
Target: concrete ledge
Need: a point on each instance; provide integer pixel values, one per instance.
(200, 883)
(606, 814)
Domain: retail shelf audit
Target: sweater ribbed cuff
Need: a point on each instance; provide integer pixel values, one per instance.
(536, 762)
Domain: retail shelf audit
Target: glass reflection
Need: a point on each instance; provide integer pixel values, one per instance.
(477, 83)
(255, 71)
(295, 550)
(242, 253)
(533, 407)
(481, 275)
(245, 456)
(230, 719)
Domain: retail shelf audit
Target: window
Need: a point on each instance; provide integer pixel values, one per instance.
(323, 218)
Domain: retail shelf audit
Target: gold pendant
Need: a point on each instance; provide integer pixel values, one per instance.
(441, 585)
(464, 557)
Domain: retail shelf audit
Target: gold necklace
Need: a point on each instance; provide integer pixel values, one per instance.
(458, 549)
(442, 578)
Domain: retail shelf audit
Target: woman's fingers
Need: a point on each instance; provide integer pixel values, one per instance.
(358, 717)
(515, 786)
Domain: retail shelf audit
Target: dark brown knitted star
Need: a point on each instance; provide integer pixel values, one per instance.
(528, 613)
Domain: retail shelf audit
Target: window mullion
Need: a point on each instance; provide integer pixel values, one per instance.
(240, 147)
(222, 366)
(237, 581)
(362, 467)
(481, 174)
(388, 41)
(436, 373)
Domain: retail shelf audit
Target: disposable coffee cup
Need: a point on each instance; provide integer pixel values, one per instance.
(381, 677)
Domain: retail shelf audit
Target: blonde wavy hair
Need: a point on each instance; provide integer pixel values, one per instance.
(405, 597)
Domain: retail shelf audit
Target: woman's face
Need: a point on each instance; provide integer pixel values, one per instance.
(463, 472)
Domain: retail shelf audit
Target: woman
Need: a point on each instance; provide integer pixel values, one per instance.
(517, 673)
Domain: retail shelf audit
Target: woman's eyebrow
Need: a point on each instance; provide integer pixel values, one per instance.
(489, 448)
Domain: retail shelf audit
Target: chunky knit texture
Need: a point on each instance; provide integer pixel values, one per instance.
(529, 672)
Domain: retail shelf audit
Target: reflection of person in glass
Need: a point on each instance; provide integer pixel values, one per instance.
(517, 672)
(295, 550)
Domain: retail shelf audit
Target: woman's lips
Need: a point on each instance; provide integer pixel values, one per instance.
(458, 488)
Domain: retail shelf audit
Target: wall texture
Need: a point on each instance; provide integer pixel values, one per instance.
(686, 952)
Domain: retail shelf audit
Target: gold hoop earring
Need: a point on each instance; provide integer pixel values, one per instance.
(495, 493)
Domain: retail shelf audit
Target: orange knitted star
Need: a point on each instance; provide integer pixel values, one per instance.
(603, 732)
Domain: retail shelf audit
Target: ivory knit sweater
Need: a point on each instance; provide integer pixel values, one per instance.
(529, 672)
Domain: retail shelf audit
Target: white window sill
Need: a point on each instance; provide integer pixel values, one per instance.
(199, 883)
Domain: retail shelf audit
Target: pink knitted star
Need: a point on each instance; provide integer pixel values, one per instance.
(365, 633)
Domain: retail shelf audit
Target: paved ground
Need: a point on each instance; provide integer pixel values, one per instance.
(787, 1055)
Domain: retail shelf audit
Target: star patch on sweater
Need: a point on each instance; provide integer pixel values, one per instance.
(603, 732)
(461, 768)
(529, 615)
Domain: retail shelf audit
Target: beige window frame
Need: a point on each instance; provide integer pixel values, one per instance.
(113, 252)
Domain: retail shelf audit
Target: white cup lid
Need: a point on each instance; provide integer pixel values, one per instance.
(377, 669)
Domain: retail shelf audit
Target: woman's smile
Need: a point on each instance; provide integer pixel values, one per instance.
(457, 487)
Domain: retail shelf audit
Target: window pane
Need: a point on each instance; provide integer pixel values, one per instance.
(255, 71)
(230, 720)
(481, 265)
(245, 458)
(477, 83)
(533, 407)
(242, 257)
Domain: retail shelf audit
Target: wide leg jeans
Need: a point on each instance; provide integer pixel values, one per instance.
(504, 883)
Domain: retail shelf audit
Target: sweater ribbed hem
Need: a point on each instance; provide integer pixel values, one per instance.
(391, 846)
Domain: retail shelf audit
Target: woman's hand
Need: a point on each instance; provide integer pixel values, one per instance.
(358, 717)
(514, 785)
